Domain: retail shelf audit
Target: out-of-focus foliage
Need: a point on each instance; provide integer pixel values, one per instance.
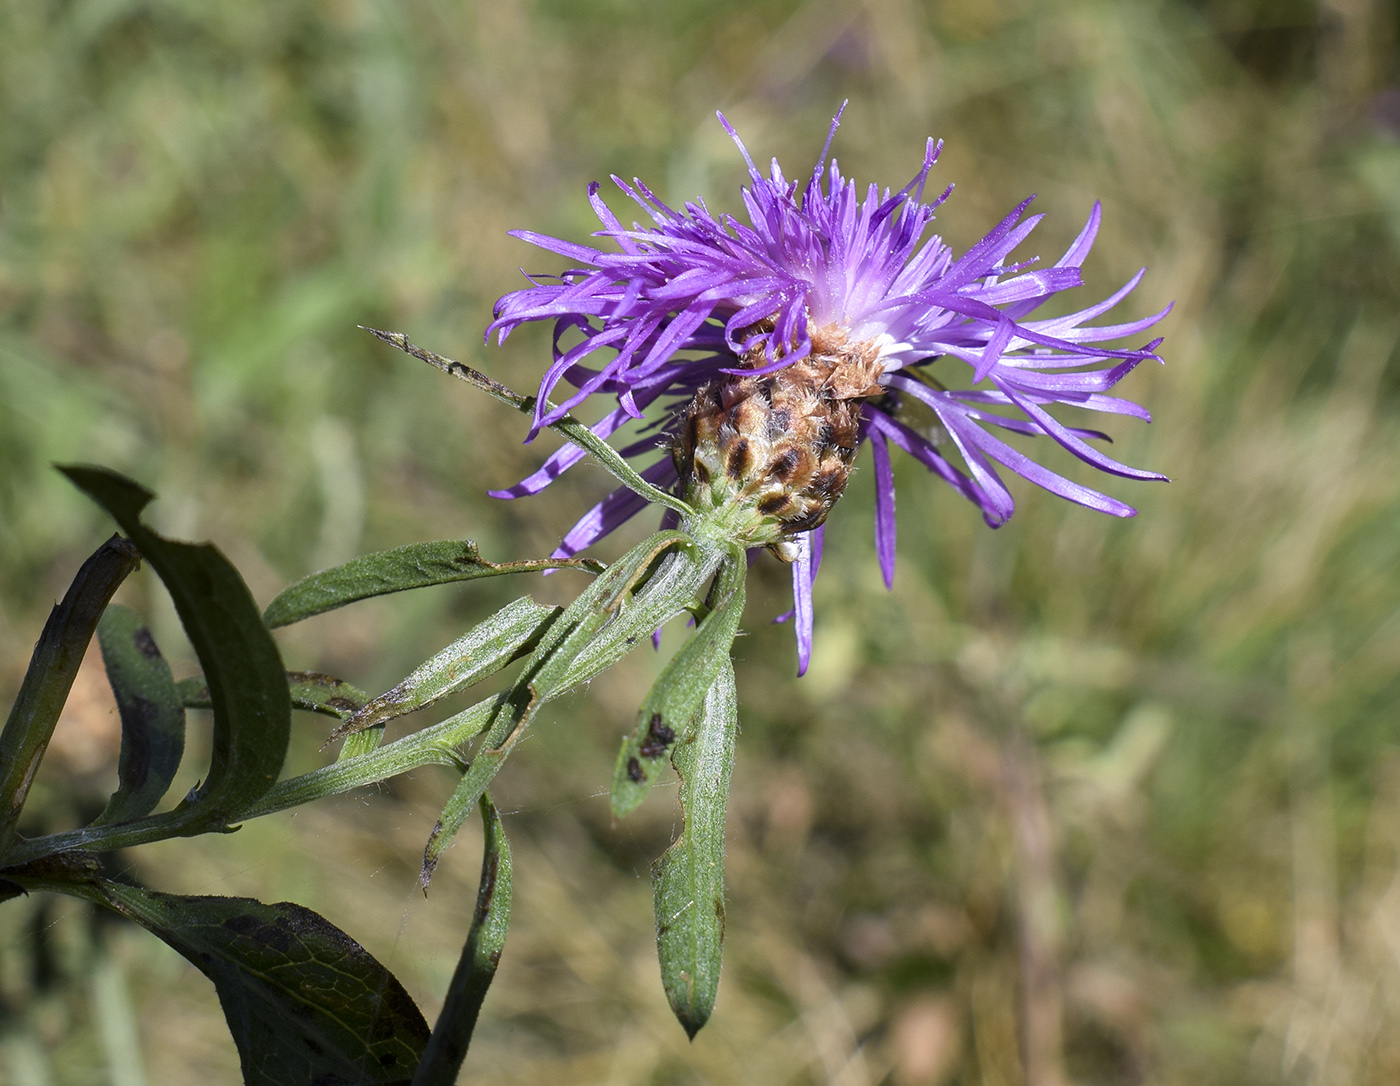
(1120, 799)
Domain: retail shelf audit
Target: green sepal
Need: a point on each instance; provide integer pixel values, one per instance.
(152, 715)
(667, 716)
(417, 565)
(688, 880)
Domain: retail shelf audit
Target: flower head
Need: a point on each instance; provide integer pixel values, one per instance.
(841, 300)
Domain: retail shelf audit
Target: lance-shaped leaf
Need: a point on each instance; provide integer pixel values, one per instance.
(503, 637)
(583, 625)
(152, 715)
(311, 691)
(688, 880)
(416, 565)
(247, 686)
(590, 612)
(606, 456)
(315, 692)
(305, 1002)
(668, 714)
(476, 968)
(52, 669)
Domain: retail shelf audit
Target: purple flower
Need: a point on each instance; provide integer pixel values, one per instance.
(818, 271)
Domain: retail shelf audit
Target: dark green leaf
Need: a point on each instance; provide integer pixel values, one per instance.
(50, 676)
(688, 881)
(416, 565)
(667, 715)
(476, 968)
(489, 647)
(305, 1002)
(247, 686)
(152, 715)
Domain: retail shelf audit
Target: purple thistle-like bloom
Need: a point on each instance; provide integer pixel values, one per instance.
(816, 271)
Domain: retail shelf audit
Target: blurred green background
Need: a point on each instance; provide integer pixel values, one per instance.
(1080, 801)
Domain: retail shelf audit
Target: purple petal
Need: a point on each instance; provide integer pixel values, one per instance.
(562, 459)
(924, 451)
(884, 505)
(802, 603)
(1087, 453)
(1043, 477)
(991, 353)
(997, 504)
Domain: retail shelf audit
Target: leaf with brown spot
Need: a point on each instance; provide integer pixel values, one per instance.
(152, 715)
(667, 715)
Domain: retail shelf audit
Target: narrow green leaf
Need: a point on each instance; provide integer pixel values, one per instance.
(305, 1002)
(545, 675)
(194, 693)
(511, 715)
(52, 668)
(152, 715)
(608, 457)
(361, 742)
(555, 670)
(476, 968)
(314, 692)
(503, 637)
(311, 691)
(247, 686)
(667, 716)
(417, 565)
(688, 881)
